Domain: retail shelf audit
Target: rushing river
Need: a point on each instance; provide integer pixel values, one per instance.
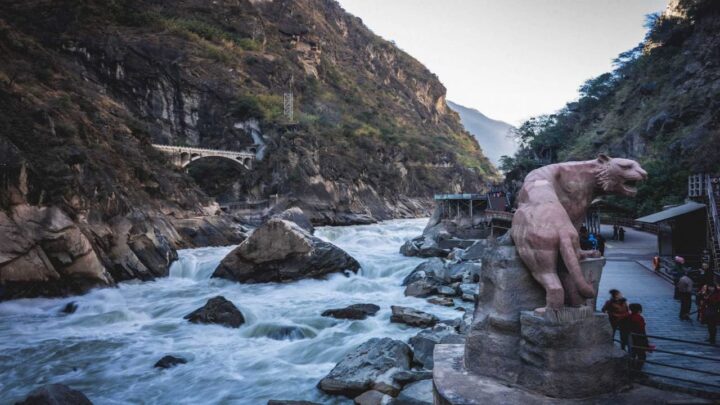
(107, 348)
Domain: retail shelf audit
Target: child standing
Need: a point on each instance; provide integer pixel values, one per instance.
(639, 342)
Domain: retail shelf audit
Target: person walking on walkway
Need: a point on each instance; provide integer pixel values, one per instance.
(621, 234)
(685, 288)
(601, 244)
(678, 271)
(618, 312)
(615, 232)
(710, 311)
(639, 343)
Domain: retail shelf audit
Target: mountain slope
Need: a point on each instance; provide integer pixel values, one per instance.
(87, 86)
(660, 106)
(494, 136)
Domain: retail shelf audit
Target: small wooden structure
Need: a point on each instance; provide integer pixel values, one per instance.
(488, 213)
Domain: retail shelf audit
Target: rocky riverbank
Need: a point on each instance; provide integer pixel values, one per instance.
(395, 371)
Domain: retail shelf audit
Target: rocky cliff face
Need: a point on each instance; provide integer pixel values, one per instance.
(86, 88)
(660, 106)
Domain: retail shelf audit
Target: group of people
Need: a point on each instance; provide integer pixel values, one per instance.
(591, 241)
(707, 297)
(628, 319)
(618, 233)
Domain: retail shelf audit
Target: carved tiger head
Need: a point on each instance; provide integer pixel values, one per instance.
(619, 176)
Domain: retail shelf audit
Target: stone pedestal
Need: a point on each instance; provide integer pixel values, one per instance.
(562, 354)
(569, 354)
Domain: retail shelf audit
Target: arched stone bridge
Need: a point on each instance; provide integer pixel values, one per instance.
(184, 155)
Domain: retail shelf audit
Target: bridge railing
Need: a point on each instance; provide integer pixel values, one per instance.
(193, 149)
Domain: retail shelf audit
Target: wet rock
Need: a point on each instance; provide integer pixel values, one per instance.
(217, 310)
(297, 216)
(43, 253)
(422, 288)
(370, 366)
(69, 308)
(355, 311)
(424, 342)
(210, 231)
(55, 394)
(412, 317)
(417, 393)
(446, 290)
(280, 250)
(407, 377)
(429, 268)
(444, 301)
(462, 271)
(169, 361)
(423, 247)
(373, 397)
(469, 291)
(282, 332)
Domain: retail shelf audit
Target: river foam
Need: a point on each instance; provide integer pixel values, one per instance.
(107, 348)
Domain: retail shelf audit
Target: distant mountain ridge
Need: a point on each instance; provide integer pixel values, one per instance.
(494, 136)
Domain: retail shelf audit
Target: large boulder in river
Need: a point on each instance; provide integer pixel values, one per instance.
(55, 394)
(412, 317)
(355, 311)
(371, 366)
(280, 250)
(434, 267)
(217, 310)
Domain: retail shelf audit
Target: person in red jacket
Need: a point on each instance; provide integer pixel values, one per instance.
(639, 343)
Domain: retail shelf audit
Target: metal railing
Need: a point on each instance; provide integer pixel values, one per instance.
(692, 384)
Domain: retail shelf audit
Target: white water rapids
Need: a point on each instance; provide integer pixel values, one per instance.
(107, 348)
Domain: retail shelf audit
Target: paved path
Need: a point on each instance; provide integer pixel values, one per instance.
(660, 310)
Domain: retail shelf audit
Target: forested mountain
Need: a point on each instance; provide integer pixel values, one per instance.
(86, 86)
(661, 106)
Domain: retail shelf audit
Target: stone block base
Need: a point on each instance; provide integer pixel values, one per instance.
(454, 385)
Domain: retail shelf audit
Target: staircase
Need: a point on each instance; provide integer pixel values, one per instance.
(713, 221)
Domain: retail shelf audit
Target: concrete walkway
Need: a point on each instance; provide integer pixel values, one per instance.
(639, 284)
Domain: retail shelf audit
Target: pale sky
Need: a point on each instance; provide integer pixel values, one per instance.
(510, 59)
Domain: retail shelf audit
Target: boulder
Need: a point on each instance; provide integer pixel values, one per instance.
(423, 247)
(444, 301)
(297, 216)
(429, 268)
(462, 271)
(446, 290)
(69, 308)
(468, 291)
(55, 394)
(417, 393)
(422, 288)
(217, 310)
(373, 397)
(169, 361)
(424, 342)
(475, 251)
(412, 317)
(43, 253)
(370, 366)
(280, 250)
(355, 311)
(407, 377)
